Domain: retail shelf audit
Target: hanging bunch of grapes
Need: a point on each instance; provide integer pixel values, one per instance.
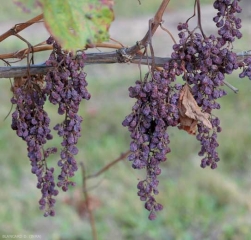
(64, 86)
(202, 61)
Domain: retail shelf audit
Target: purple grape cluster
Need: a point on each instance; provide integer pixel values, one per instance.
(206, 60)
(205, 65)
(31, 123)
(203, 62)
(66, 87)
(226, 20)
(154, 111)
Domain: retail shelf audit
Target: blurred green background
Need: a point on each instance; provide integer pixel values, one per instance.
(198, 203)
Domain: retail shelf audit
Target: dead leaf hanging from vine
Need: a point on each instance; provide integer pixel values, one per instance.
(190, 113)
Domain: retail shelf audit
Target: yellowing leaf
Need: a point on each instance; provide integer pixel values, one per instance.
(75, 23)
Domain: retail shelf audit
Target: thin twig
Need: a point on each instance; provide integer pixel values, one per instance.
(231, 86)
(194, 12)
(117, 42)
(105, 168)
(199, 25)
(104, 45)
(21, 54)
(151, 47)
(39, 48)
(8, 114)
(19, 27)
(199, 18)
(169, 33)
(91, 217)
(30, 49)
(156, 22)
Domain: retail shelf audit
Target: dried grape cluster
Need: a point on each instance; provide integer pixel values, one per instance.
(31, 123)
(202, 62)
(152, 113)
(65, 86)
(206, 60)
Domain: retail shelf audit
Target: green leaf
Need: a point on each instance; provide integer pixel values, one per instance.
(75, 23)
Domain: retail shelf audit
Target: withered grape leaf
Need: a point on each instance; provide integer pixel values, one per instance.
(190, 113)
(77, 23)
(186, 123)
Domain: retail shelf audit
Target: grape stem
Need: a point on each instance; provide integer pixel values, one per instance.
(199, 18)
(105, 168)
(30, 50)
(199, 25)
(231, 86)
(152, 29)
(169, 33)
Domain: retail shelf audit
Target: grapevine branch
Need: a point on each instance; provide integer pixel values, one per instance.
(93, 58)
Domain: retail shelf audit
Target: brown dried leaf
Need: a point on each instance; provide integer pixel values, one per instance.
(37, 81)
(190, 112)
(188, 125)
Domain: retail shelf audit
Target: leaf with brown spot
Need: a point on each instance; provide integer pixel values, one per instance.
(190, 113)
(77, 23)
